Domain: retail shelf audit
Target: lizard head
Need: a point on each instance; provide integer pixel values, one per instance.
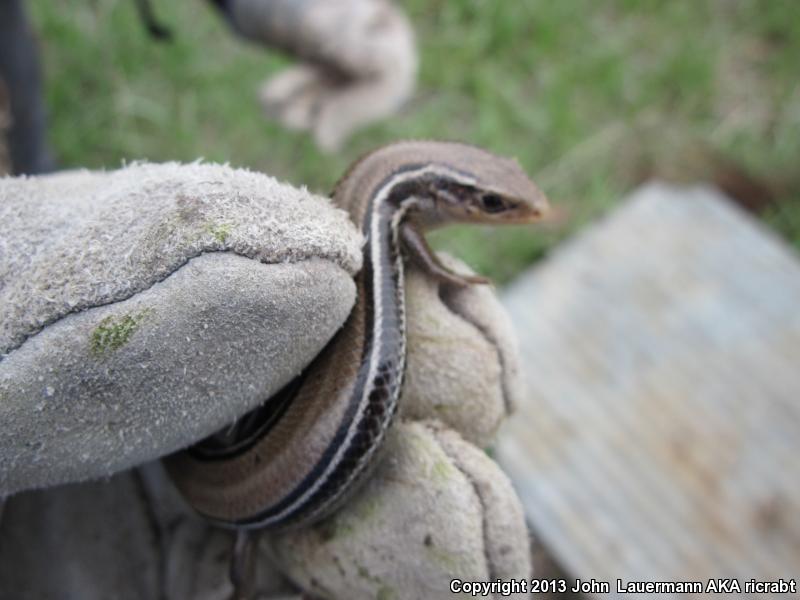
(443, 183)
(477, 186)
(449, 182)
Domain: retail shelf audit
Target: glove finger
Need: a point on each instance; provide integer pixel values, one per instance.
(436, 509)
(363, 55)
(291, 96)
(349, 106)
(462, 366)
(143, 309)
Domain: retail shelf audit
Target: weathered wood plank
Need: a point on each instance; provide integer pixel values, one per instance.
(661, 436)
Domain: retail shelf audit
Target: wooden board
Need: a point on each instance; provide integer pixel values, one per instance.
(660, 439)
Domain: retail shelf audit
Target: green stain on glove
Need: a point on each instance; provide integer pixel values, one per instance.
(114, 332)
(385, 593)
(220, 231)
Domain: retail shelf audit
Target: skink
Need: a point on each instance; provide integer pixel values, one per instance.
(296, 458)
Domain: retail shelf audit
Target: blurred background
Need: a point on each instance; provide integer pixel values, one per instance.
(592, 97)
(659, 437)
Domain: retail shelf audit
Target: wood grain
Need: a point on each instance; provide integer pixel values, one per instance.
(660, 439)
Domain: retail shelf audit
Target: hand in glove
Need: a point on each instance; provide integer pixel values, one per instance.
(359, 62)
(144, 309)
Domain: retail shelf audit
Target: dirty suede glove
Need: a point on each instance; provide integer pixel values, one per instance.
(358, 62)
(143, 309)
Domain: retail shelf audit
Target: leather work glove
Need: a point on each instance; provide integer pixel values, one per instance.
(143, 309)
(358, 62)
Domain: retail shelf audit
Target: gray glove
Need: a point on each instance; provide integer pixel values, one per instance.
(142, 309)
(359, 62)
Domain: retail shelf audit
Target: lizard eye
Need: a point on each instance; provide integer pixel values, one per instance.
(492, 203)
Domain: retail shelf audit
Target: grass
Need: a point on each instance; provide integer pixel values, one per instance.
(588, 95)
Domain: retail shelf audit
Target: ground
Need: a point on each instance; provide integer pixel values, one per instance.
(592, 97)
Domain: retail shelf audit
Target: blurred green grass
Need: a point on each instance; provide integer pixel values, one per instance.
(587, 95)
